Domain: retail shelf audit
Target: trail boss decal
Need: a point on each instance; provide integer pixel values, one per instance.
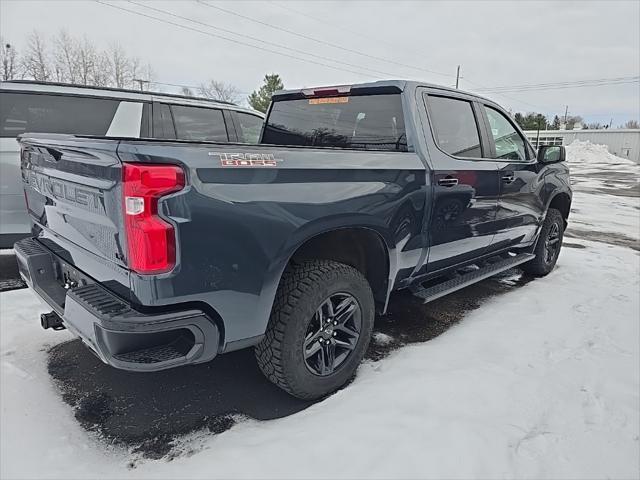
(247, 159)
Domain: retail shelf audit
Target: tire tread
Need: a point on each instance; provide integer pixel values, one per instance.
(297, 280)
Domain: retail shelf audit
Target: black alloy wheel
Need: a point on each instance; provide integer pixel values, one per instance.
(332, 334)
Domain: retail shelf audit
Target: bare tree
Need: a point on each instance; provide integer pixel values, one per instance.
(572, 121)
(217, 90)
(140, 74)
(101, 76)
(66, 58)
(86, 59)
(8, 58)
(187, 92)
(632, 124)
(119, 66)
(35, 61)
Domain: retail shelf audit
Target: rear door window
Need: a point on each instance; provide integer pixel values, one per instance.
(250, 127)
(44, 113)
(455, 127)
(199, 124)
(366, 122)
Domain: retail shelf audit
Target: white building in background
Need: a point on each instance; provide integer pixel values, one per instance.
(621, 142)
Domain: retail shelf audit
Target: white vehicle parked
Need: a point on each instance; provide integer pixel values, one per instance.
(27, 106)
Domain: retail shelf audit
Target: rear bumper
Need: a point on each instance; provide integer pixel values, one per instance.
(119, 334)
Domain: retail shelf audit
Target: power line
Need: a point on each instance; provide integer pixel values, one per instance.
(563, 85)
(215, 35)
(324, 42)
(508, 97)
(340, 28)
(488, 90)
(259, 39)
(568, 82)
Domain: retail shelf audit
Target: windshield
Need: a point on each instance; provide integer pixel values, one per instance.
(368, 122)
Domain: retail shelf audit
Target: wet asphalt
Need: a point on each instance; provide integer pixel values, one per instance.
(148, 412)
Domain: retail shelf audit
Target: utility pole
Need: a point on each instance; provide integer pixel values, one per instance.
(141, 82)
(538, 134)
(610, 122)
(566, 111)
(457, 76)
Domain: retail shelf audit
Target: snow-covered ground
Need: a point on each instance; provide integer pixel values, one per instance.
(539, 382)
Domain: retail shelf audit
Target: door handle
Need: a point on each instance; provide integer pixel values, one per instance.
(448, 181)
(509, 177)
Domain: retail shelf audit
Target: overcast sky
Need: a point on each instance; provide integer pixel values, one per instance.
(497, 43)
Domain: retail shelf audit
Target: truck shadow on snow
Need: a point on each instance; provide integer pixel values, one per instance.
(149, 412)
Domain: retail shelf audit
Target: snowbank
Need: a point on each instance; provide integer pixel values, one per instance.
(539, 382)
(585, 152)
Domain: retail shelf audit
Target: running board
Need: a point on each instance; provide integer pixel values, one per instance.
(429, 294)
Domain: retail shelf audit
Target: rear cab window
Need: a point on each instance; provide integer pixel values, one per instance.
(455, 126)
(48, 113)
(360, 122)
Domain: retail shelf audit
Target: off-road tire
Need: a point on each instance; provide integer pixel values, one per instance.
(542, 264)
(303, 288)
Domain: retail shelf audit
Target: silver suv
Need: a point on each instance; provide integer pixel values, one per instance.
(27, 106)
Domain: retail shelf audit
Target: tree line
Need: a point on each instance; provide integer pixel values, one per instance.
(67, 59)
(535, 121)
(64, 58)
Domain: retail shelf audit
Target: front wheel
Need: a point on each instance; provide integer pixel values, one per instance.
(319, 329)
(548, 246)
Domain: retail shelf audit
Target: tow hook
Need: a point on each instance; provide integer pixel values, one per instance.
(51, 320)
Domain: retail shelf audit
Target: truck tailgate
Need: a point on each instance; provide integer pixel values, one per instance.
(73, 193)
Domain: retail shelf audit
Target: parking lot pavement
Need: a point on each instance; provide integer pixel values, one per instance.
(148, 411)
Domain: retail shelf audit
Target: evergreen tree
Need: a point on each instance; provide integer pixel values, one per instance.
(555, 125)
(260, 99)
(519, 119)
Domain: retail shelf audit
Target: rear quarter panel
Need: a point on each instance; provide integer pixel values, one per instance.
(237, 227)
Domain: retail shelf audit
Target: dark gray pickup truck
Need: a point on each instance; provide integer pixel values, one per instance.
(162, 253)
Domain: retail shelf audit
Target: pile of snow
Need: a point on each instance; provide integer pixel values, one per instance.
(595, 157)
(541, 382)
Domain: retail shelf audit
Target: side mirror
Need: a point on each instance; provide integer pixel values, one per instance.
(551, 154)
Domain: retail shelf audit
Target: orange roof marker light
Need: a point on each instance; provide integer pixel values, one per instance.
(318, 101)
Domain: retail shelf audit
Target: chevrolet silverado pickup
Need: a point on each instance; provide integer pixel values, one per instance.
(163, 253)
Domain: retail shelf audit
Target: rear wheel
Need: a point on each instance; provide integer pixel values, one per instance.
(548, 247)
(319, 329)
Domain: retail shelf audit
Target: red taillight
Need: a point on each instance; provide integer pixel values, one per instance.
(151, 241)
